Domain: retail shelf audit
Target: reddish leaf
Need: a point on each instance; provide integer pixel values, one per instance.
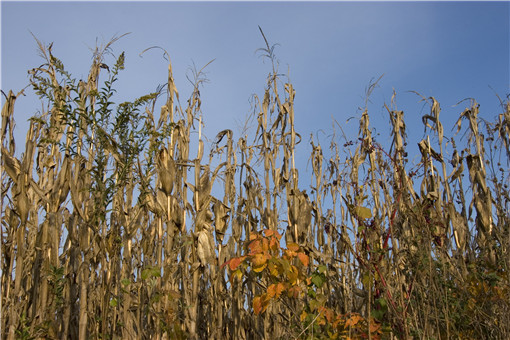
(271, 290)
(280, 287)
(265, 244)
(275, 290)
(269, 232)
(304, 259)
(353, 320)
(257, 305)
(339, 319)
(374, 326)
(274, 244)
(225, 264)
(255, 247)
(235, 262)
(294, 291)
(260, 304)
(328, 313)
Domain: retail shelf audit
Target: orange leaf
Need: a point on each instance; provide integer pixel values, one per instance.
(290, 254)
(275, 290)
(273, 234)
(268, 232)
(254, 247)
(304, 259)
(265, 244)
(271, 290)
(274, 244)
(294, 291)
(328, 313)
(280, 287)
(260, 304)
(353, 320)
(259, 260)
(257, 305)
(374, 327)
(339, 319)
(292, 247)
(235, 262)
(254, 236)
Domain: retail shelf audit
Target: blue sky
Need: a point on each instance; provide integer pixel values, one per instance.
(331, 51)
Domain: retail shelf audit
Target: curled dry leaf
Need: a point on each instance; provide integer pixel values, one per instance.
(221, 218)
(205, 248)
(166, 171)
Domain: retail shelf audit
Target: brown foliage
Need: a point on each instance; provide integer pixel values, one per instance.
(105, 236)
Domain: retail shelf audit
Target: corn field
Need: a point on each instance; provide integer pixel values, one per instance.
(113, 229)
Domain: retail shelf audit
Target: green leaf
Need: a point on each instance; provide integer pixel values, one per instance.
(146, 273)
(314, 304)
(285, 265)
(113, 302)
(150, 272)
(311, 293)
(321, 298)
(125, 282)
(322, 268)
(377, 314)
(383, 303)
(318, 279)
(155, 272)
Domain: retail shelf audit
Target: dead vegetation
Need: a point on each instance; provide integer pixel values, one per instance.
(111, 229)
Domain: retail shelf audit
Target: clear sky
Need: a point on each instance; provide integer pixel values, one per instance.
(330, 50)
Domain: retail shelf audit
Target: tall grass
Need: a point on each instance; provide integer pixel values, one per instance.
(111, 229)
